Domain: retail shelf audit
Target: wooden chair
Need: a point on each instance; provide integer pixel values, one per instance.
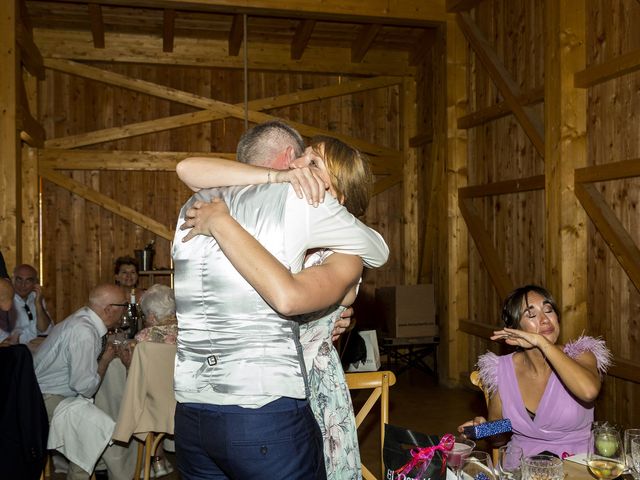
(148, 404)
(477, 381)
(379, 382)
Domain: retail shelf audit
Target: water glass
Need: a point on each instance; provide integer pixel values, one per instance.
(477, 466)
(542, 467)
(629, 435)
(509, 462)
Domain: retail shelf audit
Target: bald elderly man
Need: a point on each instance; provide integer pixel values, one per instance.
(29, 308)
(73, 360)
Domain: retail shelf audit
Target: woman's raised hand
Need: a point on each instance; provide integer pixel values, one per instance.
(308, 182)
(518, 338)
(202, 218)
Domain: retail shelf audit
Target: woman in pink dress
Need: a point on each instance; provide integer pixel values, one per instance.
(546, 390)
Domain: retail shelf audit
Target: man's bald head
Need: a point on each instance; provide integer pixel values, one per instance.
(109, 303)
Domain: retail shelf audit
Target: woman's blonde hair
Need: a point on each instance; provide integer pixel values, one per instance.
(350, 172)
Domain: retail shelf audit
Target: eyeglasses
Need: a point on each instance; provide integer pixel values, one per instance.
(119, 304)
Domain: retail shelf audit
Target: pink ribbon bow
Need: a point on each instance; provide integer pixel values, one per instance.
(422, 456)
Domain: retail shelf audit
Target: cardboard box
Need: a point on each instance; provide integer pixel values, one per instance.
(408, 310)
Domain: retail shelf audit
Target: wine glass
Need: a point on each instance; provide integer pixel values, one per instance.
(461, 449)
(605, 456)
(477, 466)
(545, 467)
(629, 435)
(509, 462)
(635, 456)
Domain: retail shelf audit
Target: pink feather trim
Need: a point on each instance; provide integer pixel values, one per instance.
(596, 346)
(488, 370)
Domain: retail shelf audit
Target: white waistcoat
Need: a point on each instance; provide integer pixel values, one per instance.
(229, 338)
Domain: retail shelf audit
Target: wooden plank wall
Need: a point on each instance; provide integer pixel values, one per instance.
(613, 126)
(82, 240)
(499, 150)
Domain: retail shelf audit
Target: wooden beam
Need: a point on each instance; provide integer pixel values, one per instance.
(477, 329)
(363, 41)
(216, 110)
(62, 159)
(30, 186)
(488, 253)
(107, 203)
(386, 183)
(23, 16)
(608, 171)
(529, 120)
(613, 232)
(168, 29)
(405, 12)
(10, 180)
(453, 243)
(31, 131)
(420, 139)
(499, 110)
(411, 249)
(565, 130)
(97, 25)
(236, 35)
(29, 53)
(267, 103)
(208, 52)
(519, 185)
(133, 129)
(614, 68)
(301, 38)
(461, 5)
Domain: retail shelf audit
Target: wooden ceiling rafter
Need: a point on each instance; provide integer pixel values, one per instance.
(236, 34)
(168, 29)
(207, 52)
(527, 117)
(363, 42)
(97, 24)
(30, 55)
(31, 131)
(301, 38)
(407, 12)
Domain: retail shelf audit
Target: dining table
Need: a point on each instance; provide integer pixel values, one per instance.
(578, 471)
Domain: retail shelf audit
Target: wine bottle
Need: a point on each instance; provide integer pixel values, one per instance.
(132, 315)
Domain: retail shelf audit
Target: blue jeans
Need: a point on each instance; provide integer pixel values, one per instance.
(278, 441)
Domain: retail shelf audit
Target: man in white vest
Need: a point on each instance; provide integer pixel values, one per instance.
(240, 380)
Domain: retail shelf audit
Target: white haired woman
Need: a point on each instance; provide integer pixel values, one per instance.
(158, 305)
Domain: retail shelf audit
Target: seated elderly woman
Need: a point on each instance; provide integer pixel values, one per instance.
(546, 390)
(158, 305)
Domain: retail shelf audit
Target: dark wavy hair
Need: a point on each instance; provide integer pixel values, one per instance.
(512, 305)
(124, 261)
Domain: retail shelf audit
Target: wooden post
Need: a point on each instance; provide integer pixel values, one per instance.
(30, 186)
(410, 183)
(565, 150)
(455, 252)
(10, 208)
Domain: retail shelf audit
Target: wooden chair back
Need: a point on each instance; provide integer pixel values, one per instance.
(379, 383)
